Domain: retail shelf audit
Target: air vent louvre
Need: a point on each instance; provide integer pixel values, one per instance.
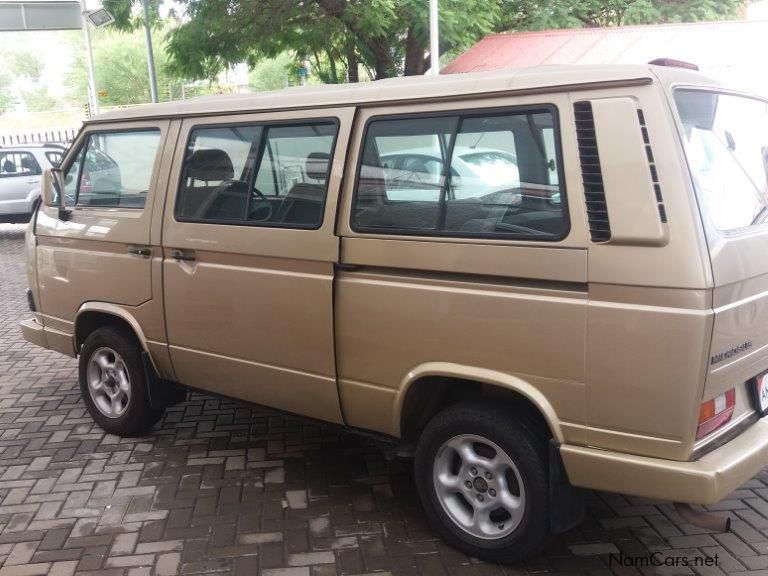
(591, 173)
(652, 167)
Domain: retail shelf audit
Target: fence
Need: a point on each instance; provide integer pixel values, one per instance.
(61, 136)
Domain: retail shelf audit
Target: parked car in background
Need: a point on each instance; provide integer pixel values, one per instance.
(21, 168)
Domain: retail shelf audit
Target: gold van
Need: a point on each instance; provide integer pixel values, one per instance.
(541, 280)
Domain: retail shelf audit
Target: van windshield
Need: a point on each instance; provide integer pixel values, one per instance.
(726, 142)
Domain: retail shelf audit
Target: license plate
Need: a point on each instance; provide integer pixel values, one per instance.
(760, 387)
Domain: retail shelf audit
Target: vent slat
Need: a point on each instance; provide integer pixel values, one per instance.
(591, 173)
(652, 167)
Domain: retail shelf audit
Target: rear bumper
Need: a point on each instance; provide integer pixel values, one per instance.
(704, 481)
(39, 335)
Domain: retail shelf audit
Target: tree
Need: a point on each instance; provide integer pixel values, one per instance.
(27, 64)
(385, 37)
(7, 101)
(120, 60)
(38, 99)
(533, 15)
(273, 73)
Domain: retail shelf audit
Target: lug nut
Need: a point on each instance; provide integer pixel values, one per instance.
(468, 484)
(474, 471)
(492, 492)
(488, 476)
(480, 497)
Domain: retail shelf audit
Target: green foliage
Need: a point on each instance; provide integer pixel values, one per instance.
(121, 69)
(7, 101)
(533, 15)
(27, 64)
(129, 16)
(273, 73)
(38, 99)
(383, 37)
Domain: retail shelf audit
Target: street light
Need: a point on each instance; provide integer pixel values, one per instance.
(97, 18)
(434, 37)
(150, 54)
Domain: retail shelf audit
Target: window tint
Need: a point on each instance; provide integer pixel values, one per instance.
(18, 164)
(116, 169)
(474, 175)
(274, 175)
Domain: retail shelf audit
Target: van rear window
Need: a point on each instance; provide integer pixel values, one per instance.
(484, 174)
(726, 144)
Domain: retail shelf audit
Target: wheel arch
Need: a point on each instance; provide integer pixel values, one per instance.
(94, 315)
(433, 386)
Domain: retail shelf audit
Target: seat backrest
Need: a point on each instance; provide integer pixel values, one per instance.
(303, 204)
(9, 166)
(206, 165)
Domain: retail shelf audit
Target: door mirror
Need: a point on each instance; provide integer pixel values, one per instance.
(52, 196)
(50, 192)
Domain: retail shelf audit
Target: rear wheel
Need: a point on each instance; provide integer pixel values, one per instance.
(482, 479)
(113, 383)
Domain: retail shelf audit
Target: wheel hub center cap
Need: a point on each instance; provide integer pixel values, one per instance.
(480, 485)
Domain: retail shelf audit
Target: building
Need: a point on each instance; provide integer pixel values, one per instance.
(734, 52)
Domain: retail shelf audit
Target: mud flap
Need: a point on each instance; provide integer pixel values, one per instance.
(162, 393)
(566, 502)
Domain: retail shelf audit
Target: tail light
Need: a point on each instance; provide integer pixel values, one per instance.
(85, 183)
(715, 413)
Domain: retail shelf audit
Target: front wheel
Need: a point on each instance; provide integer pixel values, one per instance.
(482, 478)
(113, 383)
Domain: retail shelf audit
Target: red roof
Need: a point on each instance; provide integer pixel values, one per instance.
(733, 51)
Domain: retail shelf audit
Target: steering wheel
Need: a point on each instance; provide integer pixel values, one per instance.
(264, 206)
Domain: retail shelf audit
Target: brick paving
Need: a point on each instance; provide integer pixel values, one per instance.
(220, 487)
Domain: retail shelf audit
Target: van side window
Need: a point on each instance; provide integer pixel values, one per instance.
(116, 169)
(492, 174)
(270, 175)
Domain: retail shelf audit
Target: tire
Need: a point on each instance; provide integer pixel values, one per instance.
(113, 383)
(471, 503)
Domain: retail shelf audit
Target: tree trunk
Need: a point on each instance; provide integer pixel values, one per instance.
(415, 62)
(352, 74)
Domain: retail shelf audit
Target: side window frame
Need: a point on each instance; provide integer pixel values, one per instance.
(464, 114)
(262, 146)
(38, 169)
(84, 149)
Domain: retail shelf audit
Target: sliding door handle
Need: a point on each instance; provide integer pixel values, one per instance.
(182, 256)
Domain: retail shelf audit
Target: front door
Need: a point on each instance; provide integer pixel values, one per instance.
(249, 255)
(102, 252)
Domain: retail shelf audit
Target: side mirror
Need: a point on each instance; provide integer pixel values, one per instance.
(52, 191)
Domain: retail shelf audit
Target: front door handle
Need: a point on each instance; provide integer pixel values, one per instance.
(180, 255)
(143, 251)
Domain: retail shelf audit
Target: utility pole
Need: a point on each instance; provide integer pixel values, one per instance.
(150, 55)
(94, 93)
(434, 38)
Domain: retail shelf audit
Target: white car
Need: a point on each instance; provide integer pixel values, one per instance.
(21, 169)
(475, 172)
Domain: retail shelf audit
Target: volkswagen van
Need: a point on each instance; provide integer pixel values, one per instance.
(597, 318)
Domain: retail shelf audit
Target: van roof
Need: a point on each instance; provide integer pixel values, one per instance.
(447, 86)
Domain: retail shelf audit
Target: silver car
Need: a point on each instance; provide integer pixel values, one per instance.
(21, 168)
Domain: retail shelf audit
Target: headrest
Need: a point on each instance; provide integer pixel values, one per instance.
(27, 163)
(210, 165)
(9, 166)
(317, 165)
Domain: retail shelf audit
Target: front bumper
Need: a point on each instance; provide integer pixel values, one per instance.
(704, 481)
(39, 335)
